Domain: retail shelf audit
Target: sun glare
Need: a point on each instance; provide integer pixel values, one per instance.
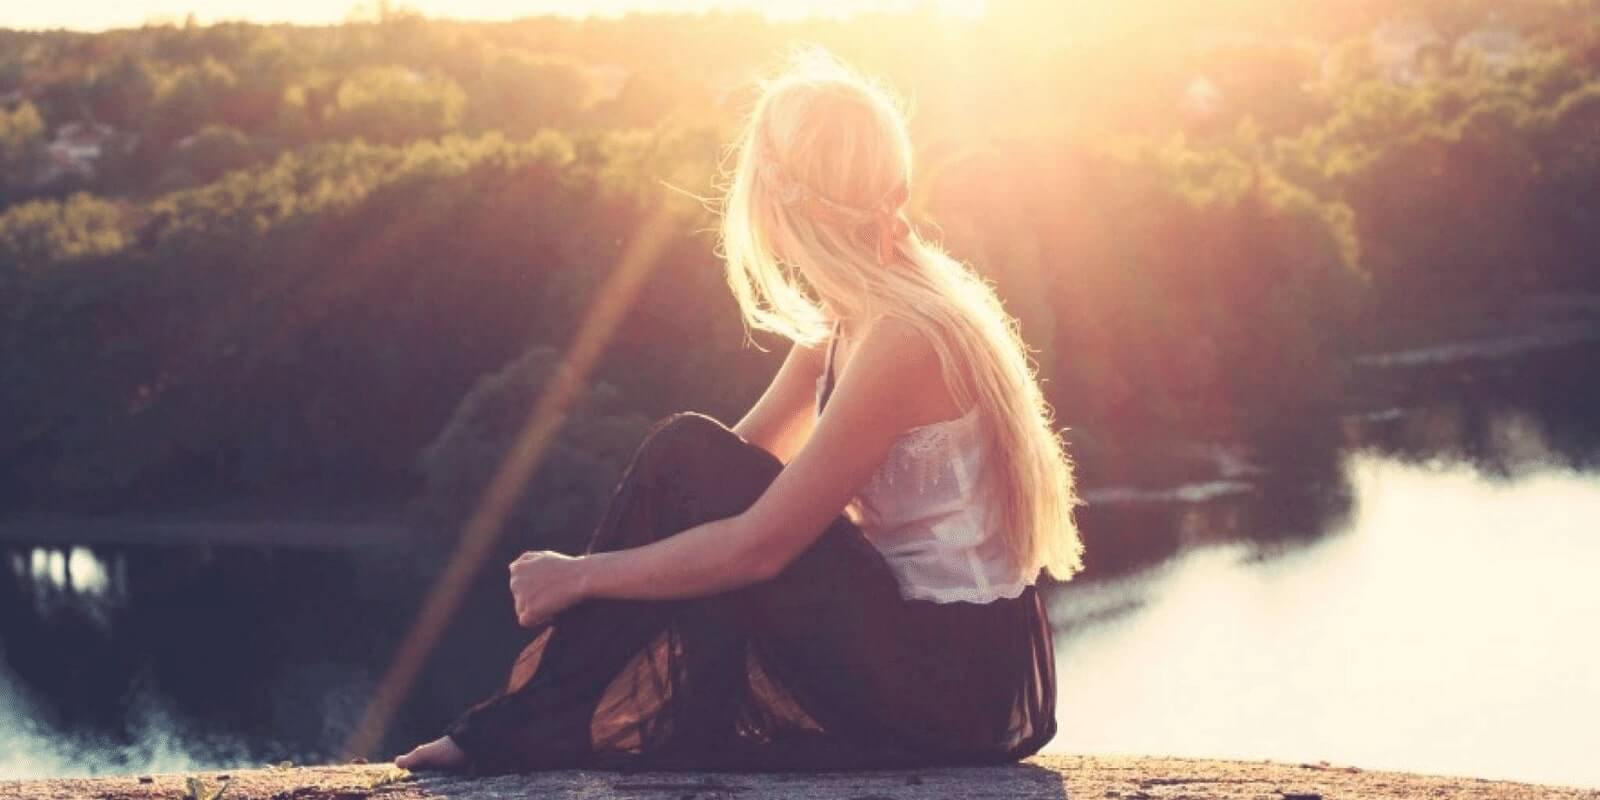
(105, 14)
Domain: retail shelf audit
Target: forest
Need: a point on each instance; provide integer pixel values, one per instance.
(274, 269)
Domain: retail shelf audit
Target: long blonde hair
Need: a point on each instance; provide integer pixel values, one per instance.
(819, 171)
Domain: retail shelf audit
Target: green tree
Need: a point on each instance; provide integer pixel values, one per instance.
(45, 234)
(189, 98)
(21, 138)
(204, 156)
(396, 104)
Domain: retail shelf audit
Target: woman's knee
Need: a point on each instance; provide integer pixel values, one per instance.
(692, 450)
(689, 436)
(688, 426)
(676, 440)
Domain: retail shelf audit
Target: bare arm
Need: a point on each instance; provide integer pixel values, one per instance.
(782, 419)
(885, 390)
(877, 399)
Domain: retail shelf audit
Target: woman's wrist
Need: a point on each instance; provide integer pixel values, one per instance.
(663, 570)
(586, 569)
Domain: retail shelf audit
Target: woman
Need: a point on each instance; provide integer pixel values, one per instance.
(846, 578)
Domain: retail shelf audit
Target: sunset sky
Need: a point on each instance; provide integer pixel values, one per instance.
(102, 14)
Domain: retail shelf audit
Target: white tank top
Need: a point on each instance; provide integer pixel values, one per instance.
(923, 510)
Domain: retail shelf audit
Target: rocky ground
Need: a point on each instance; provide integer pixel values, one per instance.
(1059, 777)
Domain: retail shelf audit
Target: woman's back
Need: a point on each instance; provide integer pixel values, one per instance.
(925, 510)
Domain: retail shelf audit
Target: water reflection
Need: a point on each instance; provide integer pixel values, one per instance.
(71, 580)
(1447, 629)
(1502, 419)
(1425, 604)
(137, 658)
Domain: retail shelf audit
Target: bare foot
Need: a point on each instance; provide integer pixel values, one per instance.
(440, 754)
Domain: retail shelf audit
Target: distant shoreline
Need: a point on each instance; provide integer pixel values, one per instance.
(66, 530)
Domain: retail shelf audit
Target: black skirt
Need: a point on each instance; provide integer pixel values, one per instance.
(824, 667)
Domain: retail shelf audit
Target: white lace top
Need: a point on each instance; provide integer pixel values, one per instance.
(922, 509)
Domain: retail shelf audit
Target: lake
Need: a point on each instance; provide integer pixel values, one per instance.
(1420, 600)
(1447, 627)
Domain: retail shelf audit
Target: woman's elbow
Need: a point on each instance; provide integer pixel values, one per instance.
(752, 564)
(762, 567)
(758, 559)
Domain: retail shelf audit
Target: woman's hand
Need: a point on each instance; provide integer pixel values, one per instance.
(545, 583)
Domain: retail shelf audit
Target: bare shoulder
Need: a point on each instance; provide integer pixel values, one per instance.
(896, 349)
(898, 362)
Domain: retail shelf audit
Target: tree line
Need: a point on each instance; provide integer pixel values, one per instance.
(263, 265)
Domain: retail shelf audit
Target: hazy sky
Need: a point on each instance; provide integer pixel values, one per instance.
(101, 14)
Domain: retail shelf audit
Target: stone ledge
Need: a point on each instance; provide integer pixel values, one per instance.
(1040, 778)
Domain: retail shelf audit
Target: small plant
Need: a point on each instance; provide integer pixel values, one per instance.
(196, 789)
(388, 776)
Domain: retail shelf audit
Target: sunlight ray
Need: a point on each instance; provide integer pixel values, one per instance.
(483, 528)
